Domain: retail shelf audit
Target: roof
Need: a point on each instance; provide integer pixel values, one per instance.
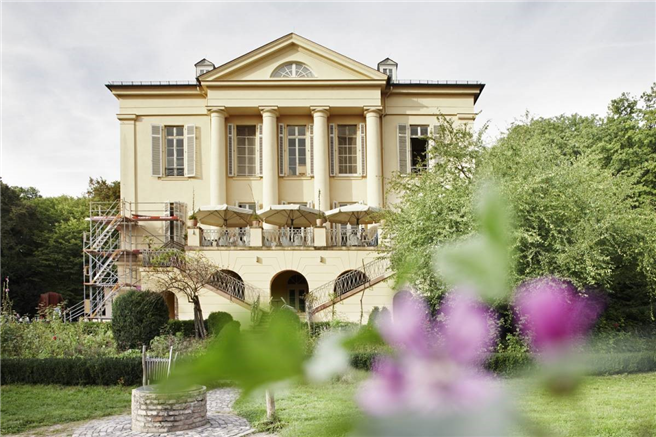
(204, 61)
(387, 61)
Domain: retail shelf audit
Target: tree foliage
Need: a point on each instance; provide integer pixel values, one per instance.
(581, 191)
(42, 241)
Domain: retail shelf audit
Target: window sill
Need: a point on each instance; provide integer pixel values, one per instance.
(173, 178)
(301, 178)
(246, 178)
(349, 177)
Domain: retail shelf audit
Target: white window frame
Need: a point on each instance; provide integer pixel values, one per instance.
(420, 135)
(245, 148)
(176, 138)
(338, 147)
(296, 138)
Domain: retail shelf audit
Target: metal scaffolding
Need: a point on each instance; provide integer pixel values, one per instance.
(118, 234)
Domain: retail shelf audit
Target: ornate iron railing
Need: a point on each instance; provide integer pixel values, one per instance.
(351, 280)
(288, 237)
(236, 288)
(353, 237)
(227, 237)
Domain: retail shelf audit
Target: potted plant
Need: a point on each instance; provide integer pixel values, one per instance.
(256, 221)
(193, 221)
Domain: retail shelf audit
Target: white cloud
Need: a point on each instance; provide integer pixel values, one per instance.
(59, 124)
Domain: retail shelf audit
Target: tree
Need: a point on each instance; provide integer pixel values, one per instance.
(434, 205)
(185, 274)
(100, 190)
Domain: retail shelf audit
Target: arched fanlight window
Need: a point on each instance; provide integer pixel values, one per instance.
(293, 69)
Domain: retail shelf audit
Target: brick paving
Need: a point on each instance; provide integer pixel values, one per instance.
(223, 422)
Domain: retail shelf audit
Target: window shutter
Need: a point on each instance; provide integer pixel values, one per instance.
(260, 150)
(402, 136)
(281, 149)
(363, 151)
(190, 150)
(231, 150)
(156, 149)
(331, 148)
(311, 151)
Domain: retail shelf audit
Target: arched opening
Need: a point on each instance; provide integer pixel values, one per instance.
(349, 280)
(172, 304)
(229, 282)
(289, 287)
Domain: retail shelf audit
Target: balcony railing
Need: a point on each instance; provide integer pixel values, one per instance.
(228, 237)
(353, 237)
(288, 237)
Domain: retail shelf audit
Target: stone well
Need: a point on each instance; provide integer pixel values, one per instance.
(157, 412)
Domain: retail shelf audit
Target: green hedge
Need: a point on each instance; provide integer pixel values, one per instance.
(184, 326)
(72, 371)
(513, 363)
(137, 318)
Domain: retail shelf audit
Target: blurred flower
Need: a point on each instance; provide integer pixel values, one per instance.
(468, 328)
(434, 371)
(553, 314)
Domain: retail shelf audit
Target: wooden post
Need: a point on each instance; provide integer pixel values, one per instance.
(270, 405)
(143, 363)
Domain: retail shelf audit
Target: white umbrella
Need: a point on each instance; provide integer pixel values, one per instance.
(290, 215)
(355, 214)
(224, 215)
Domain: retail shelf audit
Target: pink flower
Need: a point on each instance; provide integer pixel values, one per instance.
(553, 313)
(433, 371)
(467, 330)
(54, 338)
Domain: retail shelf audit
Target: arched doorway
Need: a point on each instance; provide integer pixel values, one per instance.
(289, 287)
(349, 280)
(172, 304)
(229, 282)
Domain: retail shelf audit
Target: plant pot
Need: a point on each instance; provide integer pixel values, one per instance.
(256, 223)
(319, 222)
(192, 223)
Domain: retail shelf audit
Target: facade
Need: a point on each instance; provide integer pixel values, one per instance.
(291, 122)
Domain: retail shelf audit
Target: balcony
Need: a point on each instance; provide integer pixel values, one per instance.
(307, 237)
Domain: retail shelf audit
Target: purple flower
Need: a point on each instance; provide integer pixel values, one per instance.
(553, 313)
(407, 328)
(467, 330)
(433, 371)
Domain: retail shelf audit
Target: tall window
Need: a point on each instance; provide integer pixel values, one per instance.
(175, 151)
(347, 149)
(246, 150)
(418, 148)
(296, 151)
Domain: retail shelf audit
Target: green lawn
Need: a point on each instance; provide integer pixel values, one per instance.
(27, 407)
(618, 406)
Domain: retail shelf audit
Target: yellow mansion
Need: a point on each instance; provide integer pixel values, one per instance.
(289, 123)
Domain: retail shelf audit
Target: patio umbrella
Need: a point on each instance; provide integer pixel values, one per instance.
(224, 215)
(355, 214)
(290, 215)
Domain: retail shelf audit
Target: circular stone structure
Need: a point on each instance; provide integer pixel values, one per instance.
(159, 412)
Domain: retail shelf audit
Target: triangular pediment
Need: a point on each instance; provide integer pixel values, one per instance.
(261, 63)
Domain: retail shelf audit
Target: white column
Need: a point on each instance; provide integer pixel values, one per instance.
(269, 150)
(218, 162)
(321, 170)
(374, 158)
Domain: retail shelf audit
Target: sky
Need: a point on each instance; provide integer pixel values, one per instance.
(59, 123)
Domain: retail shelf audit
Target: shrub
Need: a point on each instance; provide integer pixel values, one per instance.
(186, 327)
(508, 363)
(182, 345)
(363, 360)
(72, 371)
(216, 321)
(137, 318)
(372, 316)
